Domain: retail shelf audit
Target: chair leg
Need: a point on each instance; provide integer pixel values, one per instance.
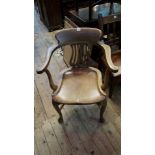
(111, 91)
(56, 106)
(111, 88)
(102, 110)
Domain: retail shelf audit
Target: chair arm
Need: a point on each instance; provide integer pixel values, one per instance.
(45, 65)
(107, 57)
(48, 57)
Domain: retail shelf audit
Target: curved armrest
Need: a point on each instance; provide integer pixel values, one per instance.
(107, 57)
(48, 57)
(45, 65)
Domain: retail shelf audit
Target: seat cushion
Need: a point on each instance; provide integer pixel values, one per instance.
(80, 86)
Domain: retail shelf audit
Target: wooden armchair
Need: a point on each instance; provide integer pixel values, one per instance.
(80, 83)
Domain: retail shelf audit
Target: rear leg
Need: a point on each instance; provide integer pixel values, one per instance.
(103, 106)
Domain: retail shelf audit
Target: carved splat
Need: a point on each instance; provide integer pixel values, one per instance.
(80, 54)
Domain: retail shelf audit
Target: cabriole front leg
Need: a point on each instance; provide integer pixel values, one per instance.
(56, 106)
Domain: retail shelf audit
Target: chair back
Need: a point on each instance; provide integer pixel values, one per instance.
(77, 44)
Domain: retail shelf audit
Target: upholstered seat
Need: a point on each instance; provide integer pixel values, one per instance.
(80, 86)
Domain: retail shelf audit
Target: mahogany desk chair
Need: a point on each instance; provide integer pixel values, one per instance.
(79, 84)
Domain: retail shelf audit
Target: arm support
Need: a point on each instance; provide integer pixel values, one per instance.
(107, 57)
(45, 65)
(48, 57)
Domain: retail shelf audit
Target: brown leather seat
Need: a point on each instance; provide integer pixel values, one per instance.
(80, 86)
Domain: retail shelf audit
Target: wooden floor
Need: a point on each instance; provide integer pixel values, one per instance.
(81, 133)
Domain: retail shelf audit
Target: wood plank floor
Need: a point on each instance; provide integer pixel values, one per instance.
(81, 133)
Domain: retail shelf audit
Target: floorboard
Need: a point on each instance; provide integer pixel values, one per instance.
(81, 131)
(39, 114)
(92, 124)
(63, 140)
(36, 152)
(41, 142)
(54, 145)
